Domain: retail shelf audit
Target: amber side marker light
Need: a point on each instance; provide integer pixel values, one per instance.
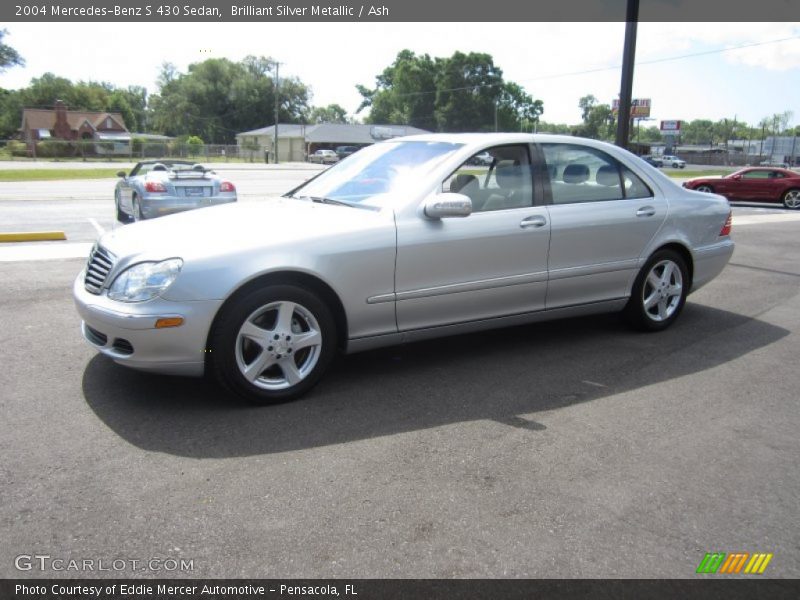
(169, 322)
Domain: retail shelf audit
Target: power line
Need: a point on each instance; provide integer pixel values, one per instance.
(612, 68)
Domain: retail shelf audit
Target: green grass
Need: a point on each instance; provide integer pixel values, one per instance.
(55, 174)
(684, 173)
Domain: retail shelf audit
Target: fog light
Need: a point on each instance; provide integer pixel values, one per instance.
(169, 322)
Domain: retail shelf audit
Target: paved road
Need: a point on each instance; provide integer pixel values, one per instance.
(80, 208)
(568, 449)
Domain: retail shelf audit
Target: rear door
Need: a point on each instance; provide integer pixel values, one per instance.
(602, 217)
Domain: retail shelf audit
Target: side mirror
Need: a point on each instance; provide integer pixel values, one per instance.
(122, 174)
(736, 177)
(442, 206)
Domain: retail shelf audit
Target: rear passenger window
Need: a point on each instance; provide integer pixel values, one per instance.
(496, 179)
(581, 174)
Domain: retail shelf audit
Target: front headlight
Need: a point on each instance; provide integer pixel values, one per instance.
(145, 281)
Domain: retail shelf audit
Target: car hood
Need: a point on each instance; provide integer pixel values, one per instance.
(233, 228)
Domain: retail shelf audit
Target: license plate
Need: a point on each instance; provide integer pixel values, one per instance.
(193, 191)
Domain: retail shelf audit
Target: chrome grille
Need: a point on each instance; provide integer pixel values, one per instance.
(100, 264)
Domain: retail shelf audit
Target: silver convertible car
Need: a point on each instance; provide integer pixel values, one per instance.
(405, 240)
(160, 187)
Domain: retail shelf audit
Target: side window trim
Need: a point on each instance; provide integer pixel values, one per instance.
(546, 187)
(528, 167)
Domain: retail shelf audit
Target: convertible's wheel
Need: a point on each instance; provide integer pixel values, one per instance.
(707, 189)
(121, 216)
(137, 209)
(659, 292)
(791, 199)
(273, 344)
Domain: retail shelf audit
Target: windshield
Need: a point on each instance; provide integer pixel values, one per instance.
(375, 170)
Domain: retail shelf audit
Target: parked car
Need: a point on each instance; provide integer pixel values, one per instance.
(324, 157)
(758, 184)
(345, 151)
(401, 243)
(483, 159)
(673, 161)
(653, 160)
(155, 188)
(774, 162)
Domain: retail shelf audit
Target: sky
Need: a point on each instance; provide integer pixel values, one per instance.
(688, 70)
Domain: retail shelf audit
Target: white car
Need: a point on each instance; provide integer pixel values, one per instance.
(324, 157)
(673, 161)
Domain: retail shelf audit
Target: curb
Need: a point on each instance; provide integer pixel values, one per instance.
(33, 236)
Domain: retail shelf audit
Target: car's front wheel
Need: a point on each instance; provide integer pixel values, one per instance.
(791, 199)
(122, 217)
(659, 292)
(273, 344)
(707, 189)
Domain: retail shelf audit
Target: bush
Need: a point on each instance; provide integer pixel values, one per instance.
(54, 149)
(195, 144)
(17, 148)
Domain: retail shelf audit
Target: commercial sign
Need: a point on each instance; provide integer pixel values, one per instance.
(670, 127)
(640, 107)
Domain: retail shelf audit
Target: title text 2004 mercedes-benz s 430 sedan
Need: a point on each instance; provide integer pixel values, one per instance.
(406, 239)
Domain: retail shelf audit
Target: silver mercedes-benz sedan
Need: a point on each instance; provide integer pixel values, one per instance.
(407, 239)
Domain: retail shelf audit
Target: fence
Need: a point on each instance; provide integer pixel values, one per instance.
(126, 151)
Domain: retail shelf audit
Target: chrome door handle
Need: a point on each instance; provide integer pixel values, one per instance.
(646, 211)
(534, 221)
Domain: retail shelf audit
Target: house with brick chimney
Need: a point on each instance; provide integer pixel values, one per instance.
(64, 125)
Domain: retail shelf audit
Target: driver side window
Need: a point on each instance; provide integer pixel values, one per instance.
(495, 179)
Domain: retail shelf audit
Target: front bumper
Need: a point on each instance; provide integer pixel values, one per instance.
(126, 332)
(158, 206)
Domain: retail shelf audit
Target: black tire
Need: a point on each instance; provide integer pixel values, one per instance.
(705, 188)
(668, 304)
(232, 352)
(791, 199)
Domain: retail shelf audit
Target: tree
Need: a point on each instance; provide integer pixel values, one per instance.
(598, 120)
(405, 92)
(8, 56)
(465, 92)
(218, 98)
(586, 104)
(333, 113)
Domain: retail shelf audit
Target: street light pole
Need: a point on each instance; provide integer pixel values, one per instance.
(626, 84)
(277, 105)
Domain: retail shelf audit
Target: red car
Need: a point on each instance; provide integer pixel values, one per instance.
(755, 184)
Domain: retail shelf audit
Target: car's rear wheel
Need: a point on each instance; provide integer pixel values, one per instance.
(707, 189)
(273, 344)
(659, 292)
(137, 209)
(791, 199)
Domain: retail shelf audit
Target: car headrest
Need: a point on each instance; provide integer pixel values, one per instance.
(462, 180)
(159, 167)
(576, 173)
(607, 175)
(508, 175)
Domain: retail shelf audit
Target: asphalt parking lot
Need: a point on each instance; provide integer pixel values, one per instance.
(566, 449)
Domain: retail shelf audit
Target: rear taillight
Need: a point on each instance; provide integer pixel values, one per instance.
(155, 186)
(227, 186)
(726, 229)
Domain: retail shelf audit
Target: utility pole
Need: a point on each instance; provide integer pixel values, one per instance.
(277, 105)
(626, 84)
